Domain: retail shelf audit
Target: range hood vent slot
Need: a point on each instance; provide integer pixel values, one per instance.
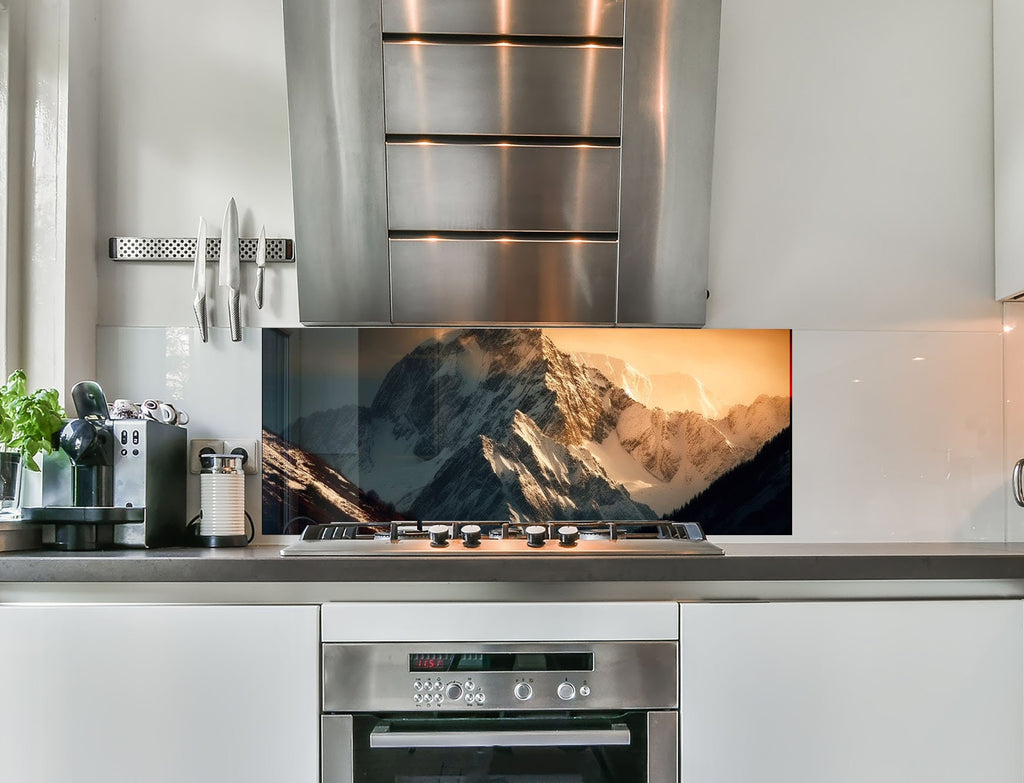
(566, 18)
(499, 39)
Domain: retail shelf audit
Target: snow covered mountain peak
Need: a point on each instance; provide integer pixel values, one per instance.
(501, 423)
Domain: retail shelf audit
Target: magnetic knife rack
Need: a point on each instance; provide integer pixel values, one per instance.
(279, 251)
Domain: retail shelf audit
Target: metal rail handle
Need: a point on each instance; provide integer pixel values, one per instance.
(383, 737)
(1017, 483)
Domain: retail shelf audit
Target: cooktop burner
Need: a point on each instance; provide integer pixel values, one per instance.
(490, 538)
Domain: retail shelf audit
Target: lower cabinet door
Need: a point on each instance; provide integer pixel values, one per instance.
(161, 694)
(849, 692)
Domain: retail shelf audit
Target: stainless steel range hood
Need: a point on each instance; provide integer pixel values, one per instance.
(502, 161)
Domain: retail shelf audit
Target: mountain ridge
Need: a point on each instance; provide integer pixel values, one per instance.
(520, 416)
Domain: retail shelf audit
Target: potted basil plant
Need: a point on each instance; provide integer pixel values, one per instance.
(28, 423)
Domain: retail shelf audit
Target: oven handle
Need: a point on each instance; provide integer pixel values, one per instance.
(383, 737)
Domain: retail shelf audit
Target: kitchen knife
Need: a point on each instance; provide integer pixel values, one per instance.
(199, 281)
(261, 262)
(229, 275)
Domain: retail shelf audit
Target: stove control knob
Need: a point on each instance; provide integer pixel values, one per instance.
(535, 535)
(568, 535)
(470, 535)
(522, 691)
(566, 691)
(453, 692)
(438, 535)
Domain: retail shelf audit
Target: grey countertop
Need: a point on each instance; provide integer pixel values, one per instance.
(741, 563)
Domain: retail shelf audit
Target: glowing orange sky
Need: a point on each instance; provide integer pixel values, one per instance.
(735, 365)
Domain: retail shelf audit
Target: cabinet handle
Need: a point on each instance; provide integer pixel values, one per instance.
(1018, 486)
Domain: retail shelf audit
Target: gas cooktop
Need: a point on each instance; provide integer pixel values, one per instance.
(460, 539)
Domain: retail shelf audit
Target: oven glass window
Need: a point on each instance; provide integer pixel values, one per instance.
(482, 759)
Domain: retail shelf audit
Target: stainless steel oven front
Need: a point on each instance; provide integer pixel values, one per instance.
(520, 712)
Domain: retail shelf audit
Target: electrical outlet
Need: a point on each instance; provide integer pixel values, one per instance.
(249, 449)
(199, 446)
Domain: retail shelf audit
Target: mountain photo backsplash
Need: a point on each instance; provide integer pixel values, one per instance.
(528, 425)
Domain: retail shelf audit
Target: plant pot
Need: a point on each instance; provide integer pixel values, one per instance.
(11, 470)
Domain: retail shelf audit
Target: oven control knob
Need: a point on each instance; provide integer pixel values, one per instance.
(535, 535)
(566, 691)
(438, 535)
(568, 535)
(584, 690)
(522, 691)
(453, 691)
(470, 535)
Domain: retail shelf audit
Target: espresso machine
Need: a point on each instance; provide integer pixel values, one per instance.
(112, 483)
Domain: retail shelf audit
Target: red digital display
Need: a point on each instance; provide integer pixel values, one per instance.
(430, 662)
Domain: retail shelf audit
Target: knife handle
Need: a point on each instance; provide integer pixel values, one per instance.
(199, 306)
(258, 294)
(234, 317)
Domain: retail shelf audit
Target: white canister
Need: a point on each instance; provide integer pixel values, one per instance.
(222, 498)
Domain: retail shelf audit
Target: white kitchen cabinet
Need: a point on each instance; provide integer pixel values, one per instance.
(1008, 133)
(849, 692)
(161, 694)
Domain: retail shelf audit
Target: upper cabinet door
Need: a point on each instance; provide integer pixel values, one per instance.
(1008, 109)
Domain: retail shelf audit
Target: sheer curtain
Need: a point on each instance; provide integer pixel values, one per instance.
(5, 183)
(48, 157)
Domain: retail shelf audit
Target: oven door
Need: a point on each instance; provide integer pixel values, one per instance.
(630, 747)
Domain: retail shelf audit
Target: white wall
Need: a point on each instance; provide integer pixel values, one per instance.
(194, 112)
(852, 203)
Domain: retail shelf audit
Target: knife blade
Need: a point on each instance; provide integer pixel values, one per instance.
(229, 273)
(199, 282)
(261, 262)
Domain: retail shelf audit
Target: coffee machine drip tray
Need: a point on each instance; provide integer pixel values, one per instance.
(91, 515)
(77, 528)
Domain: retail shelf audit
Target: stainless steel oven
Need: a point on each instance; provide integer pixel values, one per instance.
(517, 712)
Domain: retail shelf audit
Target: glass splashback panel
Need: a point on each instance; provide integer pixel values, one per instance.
(496, 425)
